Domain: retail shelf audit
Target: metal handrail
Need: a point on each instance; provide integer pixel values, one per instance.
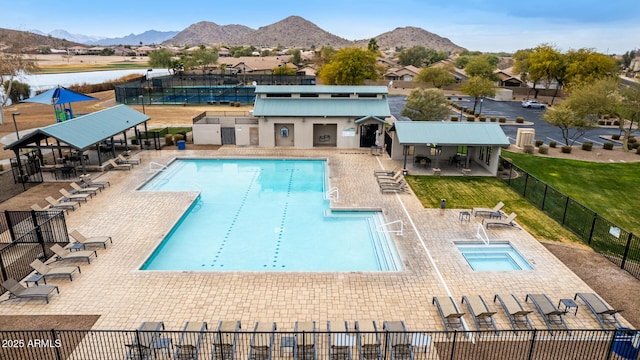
(399, 232)
(155, 167)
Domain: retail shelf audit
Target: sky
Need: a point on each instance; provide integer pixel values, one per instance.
(609, 27)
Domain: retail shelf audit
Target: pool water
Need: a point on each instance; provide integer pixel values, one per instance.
(266, 215)
(499, 256)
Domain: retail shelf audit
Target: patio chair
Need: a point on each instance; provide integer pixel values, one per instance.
(116, 166)
(147, 341)
(548, 311)
(449, 313)
(368, 340)
(66, 196)
(340, 342)
(261, 347)
(398, 340)
(91, 190)
(37, 207)
(517, 315)
(64, 254)
(18, 291)
(386, 172)
(47, 271)
(396, 188)
(482, 316)
(487, 211)
(188, 346)
(93, 240)
(305, 343)
(605, 314)
(67, 205)
(224, 343)
(509, 221)
(123, 160)
(395, 178)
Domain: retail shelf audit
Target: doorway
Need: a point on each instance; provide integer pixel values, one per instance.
(368, 135)
(284, 134)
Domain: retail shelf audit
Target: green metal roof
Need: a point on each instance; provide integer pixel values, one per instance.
(320, 89)
(321, 107)
(84, 131)
(450, 133)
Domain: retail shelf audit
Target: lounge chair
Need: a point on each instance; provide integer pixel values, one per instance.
(305, 344)
(123, 160)
(369, 345)
(340, 342)
(548, 311)
(517, 315)
(37, 207)
(64, 254)
(67, 205)
(224, 343)
(396, 178)
(147, 341)
(46, 270)
(509, 221)
(188, 346)
(487, 211)
(18, 291)
(605, 315)
(386, 172)
(98, 184)
(398, 340)
(93, 240)
(261, 347)
(67, 196)
(91, 190)
(116, 166)
(482, 316)
(449, 313)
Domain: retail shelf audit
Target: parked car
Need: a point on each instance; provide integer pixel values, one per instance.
(533, 104)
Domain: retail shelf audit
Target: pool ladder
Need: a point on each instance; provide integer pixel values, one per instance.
(333, 194)
(386, 228)
(482, 234)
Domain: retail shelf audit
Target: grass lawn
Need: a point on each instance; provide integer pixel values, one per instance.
(468, 192)
(606, 188)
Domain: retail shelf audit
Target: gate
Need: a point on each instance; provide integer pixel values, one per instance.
(388, 141)
(28, 170)
(228, 135)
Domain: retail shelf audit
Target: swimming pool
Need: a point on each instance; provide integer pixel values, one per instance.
(266, 215)
(499, 256)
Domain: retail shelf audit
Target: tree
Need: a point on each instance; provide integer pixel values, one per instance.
(283, 70)
(373, 46)
(547, 64)
(349, 66)
(585, 66)
(19, 91)
(414, 56)
(296, 56)
(12, 65)
(161, 58)
(567, 120)
(426, 105)
(436, 76)
(478, 87)
(201, 58)
(480, 66)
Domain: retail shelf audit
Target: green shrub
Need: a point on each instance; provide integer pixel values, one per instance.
(502, 119)
(553, 144)
(587, 146)
(632, 140)
(454, 117)
(615, 137)
(635, 145)
(178, 137)
(168, 139)
(520, 120)
(600, 122)
(543, 149)
(638, 150)
(539, 143)
(482, 118)
(616, 122)
(528, 149)
(471, 118)
(493, 119)
(608, 145)
(566, 149)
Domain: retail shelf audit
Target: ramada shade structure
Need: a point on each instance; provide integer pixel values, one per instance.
(61, 99)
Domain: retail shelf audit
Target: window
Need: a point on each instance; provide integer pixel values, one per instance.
(284, 132)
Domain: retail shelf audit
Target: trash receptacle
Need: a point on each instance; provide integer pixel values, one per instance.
(182, 144)
(627, 343)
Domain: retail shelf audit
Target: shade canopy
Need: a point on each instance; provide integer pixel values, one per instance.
(61, 99)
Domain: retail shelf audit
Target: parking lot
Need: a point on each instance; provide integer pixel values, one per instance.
(513, 109)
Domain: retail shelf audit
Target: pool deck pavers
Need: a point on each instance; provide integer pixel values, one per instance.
(112, 287)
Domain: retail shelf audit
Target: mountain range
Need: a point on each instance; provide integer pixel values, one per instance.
(291, 32)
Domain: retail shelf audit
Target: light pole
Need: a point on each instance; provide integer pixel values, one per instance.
(141, 97)
(481, 101)
(15, 124)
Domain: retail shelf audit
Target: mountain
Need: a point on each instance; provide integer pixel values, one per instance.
(294, 31)
(79, 38)
(209, 33)
(408, 37)
(14, 40)
(147, 37)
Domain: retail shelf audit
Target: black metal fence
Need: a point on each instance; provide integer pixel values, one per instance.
(616, 244)
(31, 235)
(193, 89)
(320, 345)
